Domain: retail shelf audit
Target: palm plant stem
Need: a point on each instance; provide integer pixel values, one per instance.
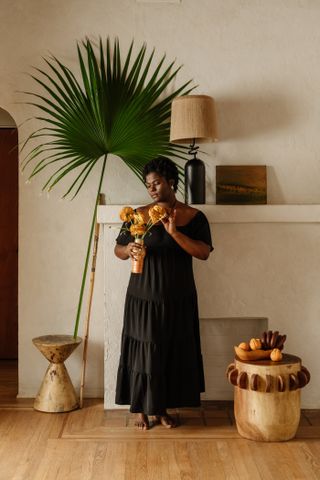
(85, 270)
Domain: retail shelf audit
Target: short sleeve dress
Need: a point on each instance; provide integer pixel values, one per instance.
(160, 361)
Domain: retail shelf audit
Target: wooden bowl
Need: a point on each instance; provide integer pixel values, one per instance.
(253, 354)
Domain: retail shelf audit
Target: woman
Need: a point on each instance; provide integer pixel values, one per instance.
(161, 364)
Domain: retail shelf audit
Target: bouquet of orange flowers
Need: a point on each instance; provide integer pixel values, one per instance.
(138, 227)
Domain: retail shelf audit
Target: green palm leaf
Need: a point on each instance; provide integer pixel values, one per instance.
(117, 107)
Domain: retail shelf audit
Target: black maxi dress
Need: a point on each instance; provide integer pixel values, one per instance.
(160, 362)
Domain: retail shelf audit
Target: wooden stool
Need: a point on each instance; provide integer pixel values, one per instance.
(56, 393)
(267, 397)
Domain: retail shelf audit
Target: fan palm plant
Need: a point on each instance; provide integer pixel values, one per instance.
(117, 107)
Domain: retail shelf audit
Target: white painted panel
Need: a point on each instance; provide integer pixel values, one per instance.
(218, 336)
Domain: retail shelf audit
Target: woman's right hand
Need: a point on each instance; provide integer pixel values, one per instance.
(135, 250)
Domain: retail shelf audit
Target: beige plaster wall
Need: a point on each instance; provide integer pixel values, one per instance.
(258, 59)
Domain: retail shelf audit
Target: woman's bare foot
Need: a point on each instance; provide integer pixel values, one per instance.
(142, 421)
(166, 420)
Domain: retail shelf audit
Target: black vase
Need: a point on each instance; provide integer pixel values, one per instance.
(195, 182)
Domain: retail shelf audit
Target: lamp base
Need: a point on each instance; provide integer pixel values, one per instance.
(195, 182)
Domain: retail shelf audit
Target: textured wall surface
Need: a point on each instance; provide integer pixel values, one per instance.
(260, 61)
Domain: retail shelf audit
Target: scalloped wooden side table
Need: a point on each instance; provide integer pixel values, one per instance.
(267, 397)
(56, 393)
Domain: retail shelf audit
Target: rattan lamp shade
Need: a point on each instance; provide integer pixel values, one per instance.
(193, 118)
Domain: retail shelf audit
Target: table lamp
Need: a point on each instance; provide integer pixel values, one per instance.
(193, 120)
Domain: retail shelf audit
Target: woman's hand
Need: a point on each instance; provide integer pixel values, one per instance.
(135, 250)
(169, 222)
(196, 248)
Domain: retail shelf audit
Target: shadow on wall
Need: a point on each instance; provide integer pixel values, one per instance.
(6, 121)
(250, 115)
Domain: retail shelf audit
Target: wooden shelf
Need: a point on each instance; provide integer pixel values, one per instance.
(109, 214)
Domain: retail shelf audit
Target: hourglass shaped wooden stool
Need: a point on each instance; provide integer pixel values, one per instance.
(56, 393)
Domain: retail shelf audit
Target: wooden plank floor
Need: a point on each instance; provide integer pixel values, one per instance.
(93, 444)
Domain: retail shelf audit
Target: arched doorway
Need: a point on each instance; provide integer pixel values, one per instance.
(8, 251)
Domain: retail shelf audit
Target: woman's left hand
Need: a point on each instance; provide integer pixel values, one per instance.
(169, 222)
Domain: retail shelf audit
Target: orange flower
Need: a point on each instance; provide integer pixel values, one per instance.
(138, 219)
(137, 230)
(126, 214)
(157, 213)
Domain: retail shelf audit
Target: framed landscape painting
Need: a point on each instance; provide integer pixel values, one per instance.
(241, 184)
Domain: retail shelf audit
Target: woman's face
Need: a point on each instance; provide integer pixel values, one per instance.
(158, 187)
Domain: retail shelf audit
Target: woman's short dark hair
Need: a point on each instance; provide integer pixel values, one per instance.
(164, 167)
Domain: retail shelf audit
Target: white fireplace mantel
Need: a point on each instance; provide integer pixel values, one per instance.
(266, 264)
(109, 214)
